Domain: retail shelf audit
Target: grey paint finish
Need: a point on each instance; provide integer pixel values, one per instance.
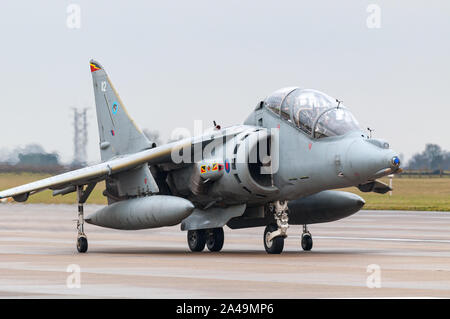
(326, 206)
(211, 218)
(141, 213)
(136, 182)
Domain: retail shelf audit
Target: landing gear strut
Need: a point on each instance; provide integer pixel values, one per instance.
(307, 242)
(82, 196)
(274, 234)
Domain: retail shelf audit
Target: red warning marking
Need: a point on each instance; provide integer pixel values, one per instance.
(310, 145)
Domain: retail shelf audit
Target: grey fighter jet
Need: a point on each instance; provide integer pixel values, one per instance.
(278, 168)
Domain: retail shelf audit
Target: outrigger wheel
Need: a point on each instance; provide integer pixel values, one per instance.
(82, 244)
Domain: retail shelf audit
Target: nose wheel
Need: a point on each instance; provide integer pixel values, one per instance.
(275, 245)
(307, 241)
(275, 233)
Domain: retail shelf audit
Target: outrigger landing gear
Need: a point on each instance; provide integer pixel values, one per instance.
(82, 196)
(274, 234)
(307, 242)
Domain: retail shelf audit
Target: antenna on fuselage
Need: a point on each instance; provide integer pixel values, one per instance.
(216, 126)
(370, 132)
(338, 102)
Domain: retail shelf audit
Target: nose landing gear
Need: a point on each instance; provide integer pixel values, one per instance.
(274, 234)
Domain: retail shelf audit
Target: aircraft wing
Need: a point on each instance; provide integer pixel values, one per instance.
(99, 172)
(96, 172)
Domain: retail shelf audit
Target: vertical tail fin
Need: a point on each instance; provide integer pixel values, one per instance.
(117, 131)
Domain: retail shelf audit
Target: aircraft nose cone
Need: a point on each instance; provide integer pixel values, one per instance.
(365, 160)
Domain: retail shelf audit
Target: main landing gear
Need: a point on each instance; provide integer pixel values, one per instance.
(82, 196)
(213, 239)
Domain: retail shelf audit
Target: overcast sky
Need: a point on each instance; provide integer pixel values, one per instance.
(174, 62)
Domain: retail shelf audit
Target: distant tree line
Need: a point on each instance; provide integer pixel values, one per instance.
(433, 158)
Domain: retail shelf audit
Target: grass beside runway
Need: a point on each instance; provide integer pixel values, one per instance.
(8, 180)
(432, 194)
(427, 194)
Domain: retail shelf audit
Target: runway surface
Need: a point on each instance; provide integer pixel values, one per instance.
(37, 245)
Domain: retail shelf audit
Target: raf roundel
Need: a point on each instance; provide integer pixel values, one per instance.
(115, 107)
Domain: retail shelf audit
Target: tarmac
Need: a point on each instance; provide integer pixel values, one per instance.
(372, 254)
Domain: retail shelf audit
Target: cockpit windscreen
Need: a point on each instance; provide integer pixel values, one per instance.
(312, 111)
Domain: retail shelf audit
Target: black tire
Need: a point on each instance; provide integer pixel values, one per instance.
(215, 239)
(82, 244)
(307, 242)
(196, 240)
(276, 245)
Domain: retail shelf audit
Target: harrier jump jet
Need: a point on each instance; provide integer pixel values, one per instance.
(278, 168)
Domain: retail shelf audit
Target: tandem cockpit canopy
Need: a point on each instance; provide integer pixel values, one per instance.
(314, 112)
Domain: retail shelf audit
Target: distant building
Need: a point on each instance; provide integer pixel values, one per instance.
(38, 159)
